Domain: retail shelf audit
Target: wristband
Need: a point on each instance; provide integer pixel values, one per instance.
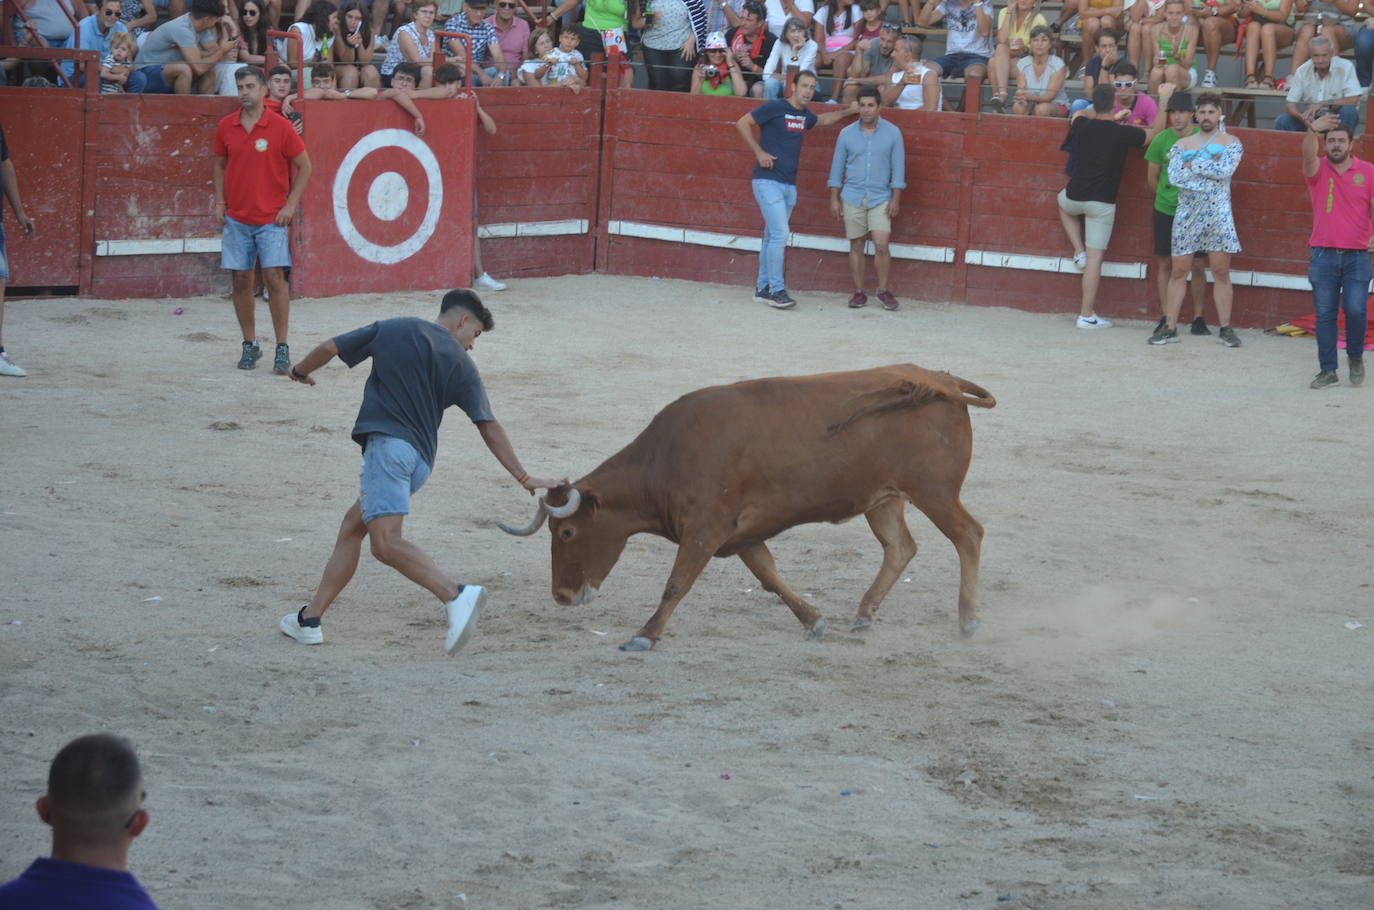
(297, 374)
(522, 478)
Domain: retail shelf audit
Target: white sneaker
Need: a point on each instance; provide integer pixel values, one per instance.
(1093, 322)
(485, 282)
(307, 635)
(1209, 79)
(1080, 261)
(9, 367)
(462, 616)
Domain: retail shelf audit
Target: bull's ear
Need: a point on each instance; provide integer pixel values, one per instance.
(590, 502)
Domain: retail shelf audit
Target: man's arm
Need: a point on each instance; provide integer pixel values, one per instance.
(836, 179)
(745, 126)
(10, 183)
(984, 20)
(298, 181)
(930, 90)
(220, 204)
(929, 14)
(495, 50)
(1311, 144)
(1162, 113)
(1152, 175)
(499, 443)
(897, 167)
(403, 101)
(830, 117)
(324, 352)
(202, 58)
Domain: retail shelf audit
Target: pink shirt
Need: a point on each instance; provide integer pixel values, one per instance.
(1340, 205)
(1142, 112)
(514, 41)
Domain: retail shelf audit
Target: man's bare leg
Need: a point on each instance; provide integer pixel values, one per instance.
(856, 262)
(1092, 277)
(393, 550)
(278, 300)
(882, 257)
(243, 303)
(343, 562)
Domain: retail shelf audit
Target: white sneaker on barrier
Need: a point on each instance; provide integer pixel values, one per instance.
(462, 616)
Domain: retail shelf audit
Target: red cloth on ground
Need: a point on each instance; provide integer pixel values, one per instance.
(1308, 324)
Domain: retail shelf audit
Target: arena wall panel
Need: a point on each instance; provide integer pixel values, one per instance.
(642, 183)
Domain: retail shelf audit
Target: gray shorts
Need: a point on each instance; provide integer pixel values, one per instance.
(392, 471)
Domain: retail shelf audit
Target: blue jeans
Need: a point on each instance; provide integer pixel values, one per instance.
(1340, 279)
(1082, 104)
(1348, 114)
(243, 246)
(775, 200)
(1364, 56)
(773, 88)
(392, 471)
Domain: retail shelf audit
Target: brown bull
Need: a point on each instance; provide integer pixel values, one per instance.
(723, 469)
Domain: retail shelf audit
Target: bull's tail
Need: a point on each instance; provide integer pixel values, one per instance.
(975, 395)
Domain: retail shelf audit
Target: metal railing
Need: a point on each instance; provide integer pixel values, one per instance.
(270, 52)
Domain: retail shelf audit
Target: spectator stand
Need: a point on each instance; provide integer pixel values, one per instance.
(469, 64)
(272, 59)
(11, 10)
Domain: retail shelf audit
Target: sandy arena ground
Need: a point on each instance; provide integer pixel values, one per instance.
(1164, 707)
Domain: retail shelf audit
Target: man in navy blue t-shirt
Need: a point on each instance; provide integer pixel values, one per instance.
(94, 806)
(419, 369)
(782, 125)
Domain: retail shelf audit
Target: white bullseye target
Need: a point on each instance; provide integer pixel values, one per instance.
(388, 196)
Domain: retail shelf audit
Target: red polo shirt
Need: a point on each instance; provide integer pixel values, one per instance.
(257, 178)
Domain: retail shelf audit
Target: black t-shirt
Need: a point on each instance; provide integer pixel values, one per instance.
(418, 371)
(1100, 150)
(765, 48)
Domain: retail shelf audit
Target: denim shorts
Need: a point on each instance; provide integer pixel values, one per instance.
(392, 471)
(246, 244)
(155, 84)
(952, 66)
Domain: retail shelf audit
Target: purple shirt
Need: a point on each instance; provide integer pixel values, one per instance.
(54, 884)
(1142, 112)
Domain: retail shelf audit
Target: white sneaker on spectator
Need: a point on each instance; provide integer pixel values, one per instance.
(1080, 261)
(9, 367)
(485, 282)
(462, 616)
(1209, 79)
(1093, 322)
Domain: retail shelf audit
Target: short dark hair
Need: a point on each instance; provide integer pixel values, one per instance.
(321, 71)
(811, 73)
(207, 9)
(1341, 127)
(1104, 98)
(468, 300)
(93, 785)
(759, 10)
(280, 70)
(410, 69)
(1124, 67)
(870, 91)
(1212, 98)
(445, 74)
(250, 72)
(1106, 33)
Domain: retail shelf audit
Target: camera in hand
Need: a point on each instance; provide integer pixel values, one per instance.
(710, 71)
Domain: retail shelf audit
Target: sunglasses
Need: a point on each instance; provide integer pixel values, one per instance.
(1128, 84)
(249, 12)
(891, 27)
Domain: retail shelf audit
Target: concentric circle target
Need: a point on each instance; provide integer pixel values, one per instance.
(388, 196)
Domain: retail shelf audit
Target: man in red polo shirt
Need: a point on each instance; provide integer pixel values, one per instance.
(257, 193)
(1341, 188)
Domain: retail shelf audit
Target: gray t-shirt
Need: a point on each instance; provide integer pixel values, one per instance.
(878, 65)
(160, 47)
(418, 371)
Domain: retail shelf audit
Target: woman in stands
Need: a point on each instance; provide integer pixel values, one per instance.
(837, 33)
(793, 51)
(1268, 27)
(718, 72)
(670, 44)
(1217, 19)
(138, 16)
(316, 28)
(1173, 45)
(252, 33)
(354, 47)
(413, 43)
(1141, 17)
(1014, 24)
(1040, 78)
(1333, 18)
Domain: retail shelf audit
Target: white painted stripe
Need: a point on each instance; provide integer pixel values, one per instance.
(996, 260)
(799, 241)
(176, 245)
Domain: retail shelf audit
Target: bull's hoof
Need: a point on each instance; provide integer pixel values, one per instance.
(638, 643)
(967, 629)
(817, 631)
(860, 623)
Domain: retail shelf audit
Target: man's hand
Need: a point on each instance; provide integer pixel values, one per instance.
(302, 378)
(1325, 122)
(27, 226)
(419, 126)
(893, 206)
(1165, 90)
(764, 159)
(540, 483)
(284, 216)
(836, 211)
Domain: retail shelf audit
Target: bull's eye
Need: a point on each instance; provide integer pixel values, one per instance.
(566, 533)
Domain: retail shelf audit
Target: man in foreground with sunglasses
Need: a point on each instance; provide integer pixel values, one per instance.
(94, 806)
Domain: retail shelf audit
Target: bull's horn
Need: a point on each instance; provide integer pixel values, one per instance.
(540, 516)
(568, 508)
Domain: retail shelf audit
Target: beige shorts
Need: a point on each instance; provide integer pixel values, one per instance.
(1098, 218)
(858, 221)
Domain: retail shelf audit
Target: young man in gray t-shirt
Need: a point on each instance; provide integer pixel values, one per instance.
(419, 369)
(182, 52)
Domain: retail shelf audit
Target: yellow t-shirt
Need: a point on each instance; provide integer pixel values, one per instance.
(1024, 31)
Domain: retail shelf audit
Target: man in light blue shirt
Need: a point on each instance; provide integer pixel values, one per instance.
(93, 34)
(867, 176)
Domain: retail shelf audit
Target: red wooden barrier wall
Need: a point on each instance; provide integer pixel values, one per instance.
(563, 168)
